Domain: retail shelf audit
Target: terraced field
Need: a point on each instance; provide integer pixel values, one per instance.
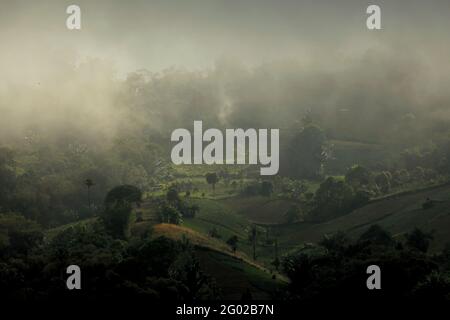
(235, 272)
(398, 214)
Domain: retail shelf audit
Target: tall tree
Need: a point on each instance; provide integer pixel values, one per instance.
(118, 207)
(276, 262)
(89, 183)
(253, 237)
(307, 153)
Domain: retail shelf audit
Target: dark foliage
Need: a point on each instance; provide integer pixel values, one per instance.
(138, 269)
(335, 270)
(124, 193)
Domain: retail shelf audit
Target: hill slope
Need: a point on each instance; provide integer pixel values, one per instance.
(234, 273)
(398, 214)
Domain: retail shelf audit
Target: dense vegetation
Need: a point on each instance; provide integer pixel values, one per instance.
(92, 196)
(335, 269)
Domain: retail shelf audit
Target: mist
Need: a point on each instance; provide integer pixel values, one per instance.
(98, 126)
(159, 66)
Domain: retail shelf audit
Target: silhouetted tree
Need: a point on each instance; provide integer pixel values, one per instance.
(89, 183)
(419, 240)
(307, 153)
(253, 234)
(212, 179)
(377, 236)
(124, 193)
(118, 206)
(358, 176)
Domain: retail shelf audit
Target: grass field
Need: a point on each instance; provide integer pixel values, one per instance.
(234, 277)
(259, 209)
(233, 272)
(398, 214)
(234, 215)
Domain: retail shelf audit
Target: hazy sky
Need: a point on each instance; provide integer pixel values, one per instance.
(157, 34)
(323, 54)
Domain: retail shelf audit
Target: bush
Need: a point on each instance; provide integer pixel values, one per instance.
(376, 235)
(383, 181)
(418, 240)
(335, 198)
(169, 214)
(358, 176)
(116, 218)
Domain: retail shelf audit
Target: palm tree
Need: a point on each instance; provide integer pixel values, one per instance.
(252, 236)
(89, 183)
(276, 261)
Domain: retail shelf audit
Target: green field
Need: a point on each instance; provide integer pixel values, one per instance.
(235, 215)
(397, 214)
(234, 277)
